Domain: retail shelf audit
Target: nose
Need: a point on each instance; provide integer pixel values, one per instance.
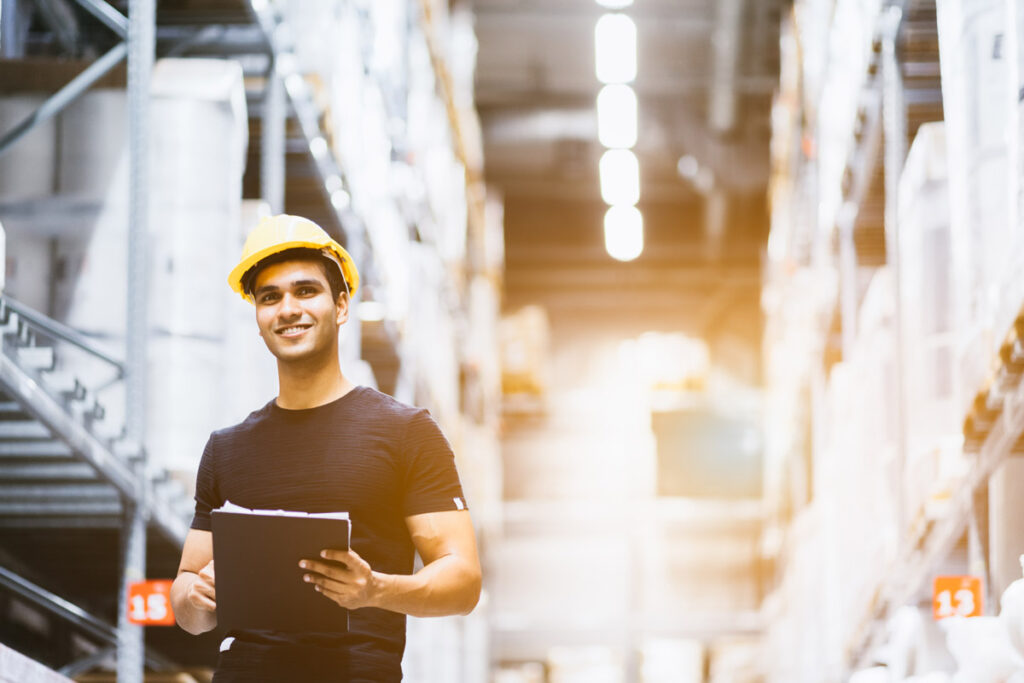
(289, 306)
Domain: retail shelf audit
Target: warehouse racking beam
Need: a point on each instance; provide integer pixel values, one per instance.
(60, 100)
(57, 102)
(107, 15)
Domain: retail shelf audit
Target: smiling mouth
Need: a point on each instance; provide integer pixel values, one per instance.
(292, 330)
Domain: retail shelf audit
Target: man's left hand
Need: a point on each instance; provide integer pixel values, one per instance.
(342, 576)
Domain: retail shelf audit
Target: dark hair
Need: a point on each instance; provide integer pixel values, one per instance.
(330, 268)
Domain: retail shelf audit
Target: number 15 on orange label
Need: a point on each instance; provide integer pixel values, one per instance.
(149, 603)
(957, 596)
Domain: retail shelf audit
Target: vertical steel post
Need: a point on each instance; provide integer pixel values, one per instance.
(894, 122)
(141, 46)
(272, 142)
(10, 29)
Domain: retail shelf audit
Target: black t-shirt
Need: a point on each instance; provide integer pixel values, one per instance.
(365, 453)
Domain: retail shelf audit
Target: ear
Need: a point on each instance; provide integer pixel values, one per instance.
(343, 308)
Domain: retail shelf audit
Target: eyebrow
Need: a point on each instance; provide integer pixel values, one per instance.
(295, 283)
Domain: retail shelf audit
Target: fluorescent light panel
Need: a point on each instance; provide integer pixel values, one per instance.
(615, 4)
(616, 116)
(620, 177)
(615, 48)
(623, 232)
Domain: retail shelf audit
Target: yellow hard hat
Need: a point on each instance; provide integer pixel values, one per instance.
(275, 234)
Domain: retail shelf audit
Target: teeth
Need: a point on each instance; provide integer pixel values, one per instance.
(289, 330)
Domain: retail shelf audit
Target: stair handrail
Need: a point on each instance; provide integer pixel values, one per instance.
(58, 330)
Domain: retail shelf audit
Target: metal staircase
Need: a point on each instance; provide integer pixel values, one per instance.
(67, 478)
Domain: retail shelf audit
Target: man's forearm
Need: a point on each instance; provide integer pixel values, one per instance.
(448, 585)
(189, 617)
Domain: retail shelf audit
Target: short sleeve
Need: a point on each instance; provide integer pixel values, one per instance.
(431, 480)
(206, 489)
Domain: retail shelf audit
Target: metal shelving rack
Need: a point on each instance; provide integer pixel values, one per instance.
(902, 90)
(67, 483)
(117, 515)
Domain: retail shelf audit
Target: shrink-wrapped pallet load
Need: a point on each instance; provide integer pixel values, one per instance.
(932, 409)
(977, 94)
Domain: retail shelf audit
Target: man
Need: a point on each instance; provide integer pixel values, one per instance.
(327, 445)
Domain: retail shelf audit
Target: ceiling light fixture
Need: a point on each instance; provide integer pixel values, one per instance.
(623, 232)
(615, 4)
(620, 177)
(616, 116)
(615, 48)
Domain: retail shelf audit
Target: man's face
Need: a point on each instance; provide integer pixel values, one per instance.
(297, 317)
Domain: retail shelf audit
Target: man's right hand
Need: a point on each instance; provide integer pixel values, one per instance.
(202, 592)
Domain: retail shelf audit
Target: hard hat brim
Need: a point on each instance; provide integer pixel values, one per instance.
(348, 271)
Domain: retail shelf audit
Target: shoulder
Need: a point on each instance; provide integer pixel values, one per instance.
(241, 431)
(377, 404)
(405, 422)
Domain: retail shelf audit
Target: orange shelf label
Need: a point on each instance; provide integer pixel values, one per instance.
(957, 596)
(149, 603)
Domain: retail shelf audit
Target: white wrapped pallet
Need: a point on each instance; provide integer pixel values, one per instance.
(976, 92)
(1014, 294)
(28, 169)
(96, 302)
(1011, 612)
(198, 153)
(982, 650)
(94, 166)
(933, 417)
(186, 383)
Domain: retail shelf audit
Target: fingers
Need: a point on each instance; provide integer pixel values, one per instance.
(337, 563)
(202, 592)
(205, 588)
(342, 576)
(348, 557)
(349, 595)
(202, 601)
(333, 595)
(202, 595)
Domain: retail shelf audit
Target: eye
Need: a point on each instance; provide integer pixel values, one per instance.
(307, 290)
(269, 297)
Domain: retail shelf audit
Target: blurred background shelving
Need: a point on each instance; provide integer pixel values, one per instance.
(742, 455)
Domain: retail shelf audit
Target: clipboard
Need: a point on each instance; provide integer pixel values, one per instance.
(256, 557)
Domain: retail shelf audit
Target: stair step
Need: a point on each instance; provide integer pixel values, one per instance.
(23, 429)
(46, 493)
(61, 508)
(35, 449)
(37, 357)
(9, 326)
(43, 472)
(94, 517)
(61, 382)
(9, 409)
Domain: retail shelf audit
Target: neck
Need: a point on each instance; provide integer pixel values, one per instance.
(304, 386)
